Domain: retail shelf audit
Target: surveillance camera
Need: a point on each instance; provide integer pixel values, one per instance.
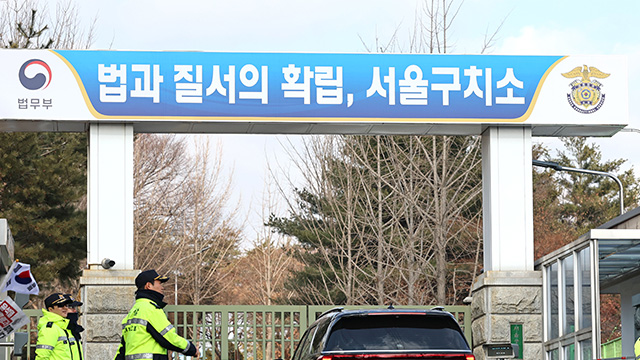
(107, 263)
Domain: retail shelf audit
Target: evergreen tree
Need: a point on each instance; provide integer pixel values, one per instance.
(43, 175)
(550, 232)
(592, 200)
(568, 204)
(42, 195)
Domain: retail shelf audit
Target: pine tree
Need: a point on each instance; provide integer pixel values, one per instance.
(568, 204)
(42, 195)
(43, 175)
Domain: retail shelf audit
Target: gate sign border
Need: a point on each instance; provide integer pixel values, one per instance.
(311, 93)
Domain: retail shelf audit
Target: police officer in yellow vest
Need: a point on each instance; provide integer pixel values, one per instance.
(55, 342)
(74, 327)
(636, 348)
(146, 331)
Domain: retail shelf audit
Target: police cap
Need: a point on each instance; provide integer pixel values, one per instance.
(149, 276)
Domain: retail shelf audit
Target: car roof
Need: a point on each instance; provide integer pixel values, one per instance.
(331, 317)
(339, 312)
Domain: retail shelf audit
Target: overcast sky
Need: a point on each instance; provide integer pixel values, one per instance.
(541, 27)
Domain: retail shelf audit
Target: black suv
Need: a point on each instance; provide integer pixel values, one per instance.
(383, 334)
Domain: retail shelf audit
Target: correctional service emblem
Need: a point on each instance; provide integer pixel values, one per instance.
(586, 96)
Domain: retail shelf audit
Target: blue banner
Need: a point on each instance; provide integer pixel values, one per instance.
(333, 87)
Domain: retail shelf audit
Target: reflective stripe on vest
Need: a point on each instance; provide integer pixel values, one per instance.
(47, 347)
(166, 330)
(135, 321)
(187, 347)
(146, 356)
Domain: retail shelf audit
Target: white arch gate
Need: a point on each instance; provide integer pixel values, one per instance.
(506, 99)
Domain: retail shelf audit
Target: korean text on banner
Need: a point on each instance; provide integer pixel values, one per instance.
(11, 317)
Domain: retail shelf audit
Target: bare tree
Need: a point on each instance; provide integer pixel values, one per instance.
(455, 187)
(270, 259)
(183, 223)
(208, 228)
(161, 166)
(340, 257)
(26, 24)
(391, 218)
(430, 33)
(433, 182)
(67, 31)
(382, 219)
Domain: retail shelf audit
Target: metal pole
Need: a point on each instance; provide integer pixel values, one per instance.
(558, 167)
(175, 292)
(595, 296)
(630, 130)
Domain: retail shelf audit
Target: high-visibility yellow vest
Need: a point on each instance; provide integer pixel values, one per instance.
(636, 349)
(55, 342)
(148, 334)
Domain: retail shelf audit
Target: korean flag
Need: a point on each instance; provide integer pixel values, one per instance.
(20, 280)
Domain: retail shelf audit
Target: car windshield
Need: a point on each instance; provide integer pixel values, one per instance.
(395, 332)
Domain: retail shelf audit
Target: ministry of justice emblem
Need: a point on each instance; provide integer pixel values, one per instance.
(586, 96)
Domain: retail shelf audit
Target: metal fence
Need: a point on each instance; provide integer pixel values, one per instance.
(32, 331)
(245, 332)
(611, 349)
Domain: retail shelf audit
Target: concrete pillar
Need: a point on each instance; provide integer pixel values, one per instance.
(627, 320)
(629, 290)
(110, 202)
(503, 298)
(509, 291)
(507, 196)
(108, 294)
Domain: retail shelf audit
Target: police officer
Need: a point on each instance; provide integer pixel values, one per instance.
(146, 331)
(55, 342)
(74, 327)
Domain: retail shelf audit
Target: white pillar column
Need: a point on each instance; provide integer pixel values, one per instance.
(627, 323)
(110, 202)
(629, 291)
(507, 194)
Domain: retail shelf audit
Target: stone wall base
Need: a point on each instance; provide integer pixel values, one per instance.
(108, 295)
(503, 298)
